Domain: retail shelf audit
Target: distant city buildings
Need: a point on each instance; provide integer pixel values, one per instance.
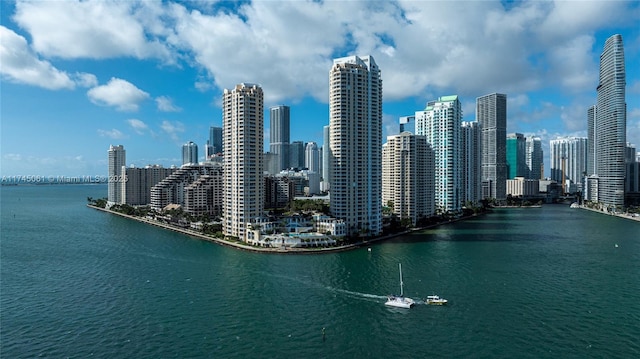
(279, 136)
(535, 156)
(296, 155)
(355, 120)
(569, 162)
(516, 156)
(408, 176)
(117, 159)
(491, 114)
(189, 153)
(243, 143)
(312, 156)
(441, 122)
(214, 143)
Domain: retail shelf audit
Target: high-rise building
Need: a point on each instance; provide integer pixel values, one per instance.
(534, 158)
(279, 135)
(491, 113)
(214, 143)
(136, 190)
(610, 125)
(355, 120)
(568, 162)
(243, 143)
(296, 154)
(312, 157)
(591, 153)
(471, 163)
(189, 153)
(408, 178)
(516, 155)
(441, 123)
(117, 159)
(630, 153)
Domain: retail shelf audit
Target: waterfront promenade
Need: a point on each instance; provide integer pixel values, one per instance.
(243, 246)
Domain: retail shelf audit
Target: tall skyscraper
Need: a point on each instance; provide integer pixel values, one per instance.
(117, 160)
(408, 179)
(243, 143)
(189, 153)
(355, 120)
(441, 123)
(610, 125)
(312, 157)
(568, 161)
(279, 131)
(471, 163)
(535, 158)
(516, 155)
(214, 143)
(491, 113)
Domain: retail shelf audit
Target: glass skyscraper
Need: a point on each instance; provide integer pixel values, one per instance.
(610, 125)
(279, 135)
(491, 114)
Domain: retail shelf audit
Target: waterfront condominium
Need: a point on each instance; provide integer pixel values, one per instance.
(117, 159)
(189, 153)
(441, 123)
(516, 155)
(408, 180)
(243, 141)
(471, 161)
(534, 158)
(568, 161)
(491, 113)
(610, 125)
(355, 140)
(279, 135)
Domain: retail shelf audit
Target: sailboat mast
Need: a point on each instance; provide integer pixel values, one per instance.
(401, 284)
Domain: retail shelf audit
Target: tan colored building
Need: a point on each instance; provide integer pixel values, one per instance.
(243, 143)
(408, 176)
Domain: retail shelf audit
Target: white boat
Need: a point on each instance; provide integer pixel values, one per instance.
(399, 301)
(575, 205)
(435, 300)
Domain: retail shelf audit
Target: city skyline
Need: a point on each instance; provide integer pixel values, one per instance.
(160, 85)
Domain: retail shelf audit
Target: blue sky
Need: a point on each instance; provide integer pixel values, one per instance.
(79, 76)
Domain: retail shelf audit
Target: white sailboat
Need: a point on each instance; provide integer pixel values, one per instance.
(399, 301)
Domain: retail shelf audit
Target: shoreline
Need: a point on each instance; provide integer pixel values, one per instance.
(619, 215)
(242, 246)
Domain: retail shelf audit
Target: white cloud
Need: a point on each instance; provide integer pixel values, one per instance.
(94, 29)
(121, 94)
(137, 125)
(21, 65)
(113, 134)
(84, 79)
(165, 104)
(173, 129)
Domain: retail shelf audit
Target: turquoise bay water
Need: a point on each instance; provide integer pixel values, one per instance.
(537, 283)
